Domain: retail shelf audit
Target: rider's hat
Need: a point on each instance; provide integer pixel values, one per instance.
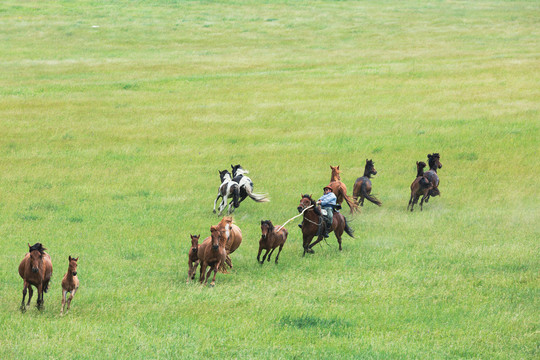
(327, 187)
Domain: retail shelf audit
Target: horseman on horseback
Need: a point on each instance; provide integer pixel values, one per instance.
(328, 203)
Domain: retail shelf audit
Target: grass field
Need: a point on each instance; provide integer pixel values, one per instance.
(115, 118)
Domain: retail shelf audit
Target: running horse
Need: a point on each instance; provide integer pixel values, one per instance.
(70, 284)
(362, 186)
(419, 187)
(434, 164)
(35, 269)
(313, 223)
(340, 190)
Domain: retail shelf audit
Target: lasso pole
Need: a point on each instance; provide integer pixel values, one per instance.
(310, 206)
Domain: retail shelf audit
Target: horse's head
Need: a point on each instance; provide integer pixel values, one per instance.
(305, 202)
(219, 235)
(36, 256)
(335, 172)
(238, 170)
(434, 161)
(370, 168)
(73, 265)
(195, 242)
(224, 175)
(266, 228)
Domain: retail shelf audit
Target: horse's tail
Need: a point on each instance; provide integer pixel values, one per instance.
(371, 198)
(348, 229)
(255, 196)
(353, 205)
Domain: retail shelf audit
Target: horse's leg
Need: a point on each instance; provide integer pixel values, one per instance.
(319, 239)
(223, 204)
(194, 269)
(339, 232)
(71, 295)
(213, 283)
(279, 252)
(190, 270)
(64, 292)
(228, 261)
(25, 286)
(215, 201)
(208, 274)
(270, 255)
(40, 296)
(410, 201)
(307, 239)
(30, 293)
(259, 254)
(422, 202)
(264, 256)
(202, 272)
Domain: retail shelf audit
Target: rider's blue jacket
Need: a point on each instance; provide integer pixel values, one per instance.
(328, 199)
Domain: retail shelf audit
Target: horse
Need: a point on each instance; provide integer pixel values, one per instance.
(431, 174)
(246, 185)
(212, 253)
(313, 223)
(233, 241)
(35, 269)
(70, 284)
(340, 190)
(227, 187)
(271, 239)
(419, 187)
(362, 186)
(193, 259)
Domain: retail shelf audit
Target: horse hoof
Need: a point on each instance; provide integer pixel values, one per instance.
(214, 211)
(23, 308)
(212, 284)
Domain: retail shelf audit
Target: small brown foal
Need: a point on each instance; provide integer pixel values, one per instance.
(70, 284)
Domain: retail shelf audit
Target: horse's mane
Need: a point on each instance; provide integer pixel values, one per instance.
(37, 247)
(432, 157)
(307, 196)
(269, 223)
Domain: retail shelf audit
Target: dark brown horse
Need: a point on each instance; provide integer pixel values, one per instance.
(340, 190)
(271, 239)
(434, 164)
(419, 187)
(70, 284)
(312, 223)
(35, 269)
(362, 186)
(212, 253)
(193, 259)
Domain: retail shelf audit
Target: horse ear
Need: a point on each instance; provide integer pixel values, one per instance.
(199, 235)
(69, 257)
(338, 167)
(77, 259)
(29, 245)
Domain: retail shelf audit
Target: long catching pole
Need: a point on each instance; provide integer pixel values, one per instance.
(310, 206)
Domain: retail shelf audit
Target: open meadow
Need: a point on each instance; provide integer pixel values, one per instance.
(115, 118)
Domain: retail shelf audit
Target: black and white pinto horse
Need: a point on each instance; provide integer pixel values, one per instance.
(227, 188)
(246, 185)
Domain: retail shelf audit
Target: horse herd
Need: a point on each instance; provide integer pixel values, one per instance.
(214, 252)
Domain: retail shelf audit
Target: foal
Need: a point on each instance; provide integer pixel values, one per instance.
(70, 284)
(419, 187)
(193, 259)
(271, 239)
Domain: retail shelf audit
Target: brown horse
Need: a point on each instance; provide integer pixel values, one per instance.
(419, 187)
(233, 241)
(193, 259)
(70, 284)
(434, 164)
(340, 190)
(271, 239)
(35, 269)
(312, 224)
(362, 186)
(212, 253)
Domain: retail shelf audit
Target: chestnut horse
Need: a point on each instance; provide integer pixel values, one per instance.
(233, 241)
(312, 221)
(419, 187)
(431, 174)
(362, 186)
(193, 259)
(35, 269)
(271, 239)
(212, 253)
(70, 284)
(340, 190)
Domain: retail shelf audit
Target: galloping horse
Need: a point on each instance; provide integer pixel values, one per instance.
(419, 187)
(431, 174)
(246, 185)
(312, 223)
(233, 240)
(35, 269)
(340, 190)
(271, 239)
(227, 187)
(193, 259)
(70, 284)
(362, 186)
(212, 253)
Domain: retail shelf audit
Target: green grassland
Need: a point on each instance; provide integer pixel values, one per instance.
(115, 118)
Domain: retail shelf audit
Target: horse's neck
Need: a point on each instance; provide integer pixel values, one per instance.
(367, 173)
(433, 168)
(311, 215)
(420, 172)
(69, 275)
(335, 177)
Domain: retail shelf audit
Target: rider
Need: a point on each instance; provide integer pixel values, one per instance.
(327, 202)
